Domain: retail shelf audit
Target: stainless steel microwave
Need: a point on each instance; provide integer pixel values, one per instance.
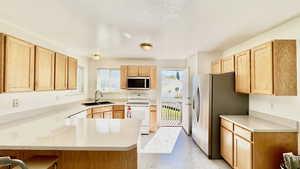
(138, 83)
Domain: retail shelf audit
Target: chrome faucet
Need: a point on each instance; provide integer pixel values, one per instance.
(98, 92)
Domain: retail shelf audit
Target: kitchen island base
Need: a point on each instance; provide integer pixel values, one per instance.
(81, 159)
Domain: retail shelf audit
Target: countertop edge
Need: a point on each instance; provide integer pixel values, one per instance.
(259, 130)
(63, 148)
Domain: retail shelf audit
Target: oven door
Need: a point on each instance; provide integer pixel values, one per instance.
(138, 83)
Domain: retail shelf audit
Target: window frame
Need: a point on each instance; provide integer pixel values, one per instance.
(110, 68)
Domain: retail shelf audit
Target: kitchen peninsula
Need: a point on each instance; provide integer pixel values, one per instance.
(77, 143)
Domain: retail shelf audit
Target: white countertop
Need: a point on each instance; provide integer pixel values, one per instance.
(52, 131)
(257, 125)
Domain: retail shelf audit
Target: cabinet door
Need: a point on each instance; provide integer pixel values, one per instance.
(72, 73)
(216, 67)
(153, 77)
(61, 72)
(228, 64)
(262, 69)
(242, 74)
(98, 115)
(226, 145)
(153, 118)
(19, 65)
(2, 40)
(123, 77)
(144, 71)
(118, 114)
(242, 153)
(44, 69)
(133, 71)
(108, 115)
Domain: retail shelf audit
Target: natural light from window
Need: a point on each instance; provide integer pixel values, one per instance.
(108, 80)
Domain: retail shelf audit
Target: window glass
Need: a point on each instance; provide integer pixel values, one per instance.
(108, 80)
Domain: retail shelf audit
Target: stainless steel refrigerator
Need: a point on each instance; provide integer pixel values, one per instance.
(214, 95)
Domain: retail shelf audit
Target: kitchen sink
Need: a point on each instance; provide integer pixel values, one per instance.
(97, 103)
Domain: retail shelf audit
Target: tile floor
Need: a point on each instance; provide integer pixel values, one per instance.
(185, 155)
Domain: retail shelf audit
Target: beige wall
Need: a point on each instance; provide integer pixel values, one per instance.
(288, 106)
(34, 100)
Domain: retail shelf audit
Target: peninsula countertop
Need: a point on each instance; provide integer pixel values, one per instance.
(56, 132)
(255, 124)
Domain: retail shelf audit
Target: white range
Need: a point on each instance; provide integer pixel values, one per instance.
(137, 107)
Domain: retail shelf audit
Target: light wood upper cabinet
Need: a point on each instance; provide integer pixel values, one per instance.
(61, 72)
(216, 67)
(144, 71)
(228, 64)
(44, 69)
(72, 73)
(242, 72)
(123, 80)
(132, 71)
(274, 69)
(226, 146)
(153, 77)
(19, 65)
(262, 69)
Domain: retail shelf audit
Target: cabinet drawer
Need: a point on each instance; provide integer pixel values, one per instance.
(153, 108)
(98, 116)
(102, 109)
(118, 114)
(227, 124)
(243, 133)
(118, 107)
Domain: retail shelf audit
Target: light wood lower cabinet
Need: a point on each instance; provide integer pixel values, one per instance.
(226, 145)
(242, 153)
(243, 149)
(153, 118)
(107, 112)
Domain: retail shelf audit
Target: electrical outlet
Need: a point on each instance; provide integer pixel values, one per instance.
(15, 103)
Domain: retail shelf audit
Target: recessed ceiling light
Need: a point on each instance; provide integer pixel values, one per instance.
(146, 46)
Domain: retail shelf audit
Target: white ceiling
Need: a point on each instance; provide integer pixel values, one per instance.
(177, 28)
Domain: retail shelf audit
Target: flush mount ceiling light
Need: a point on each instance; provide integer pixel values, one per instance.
(146, 46)
(96, 56)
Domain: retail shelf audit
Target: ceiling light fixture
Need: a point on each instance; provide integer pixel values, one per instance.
(146, 46)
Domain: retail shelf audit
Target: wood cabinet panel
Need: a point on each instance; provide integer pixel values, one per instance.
(226, 145)
(262, 69)
(98, 115)
(153, 118)
(2, 41)
(227, 124)
(144, 71)
(44, 69)
(242, 153)
(19, 65)
(228, 64)
(118, 107)
(108, 115)
(102, 109)
(153, 77)
(72, 73)
(243, 133)
(285, 67)
(216, 67)
(123, 74)
(133, 71)
(118, 114)
(61, 72)
(242, 72)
